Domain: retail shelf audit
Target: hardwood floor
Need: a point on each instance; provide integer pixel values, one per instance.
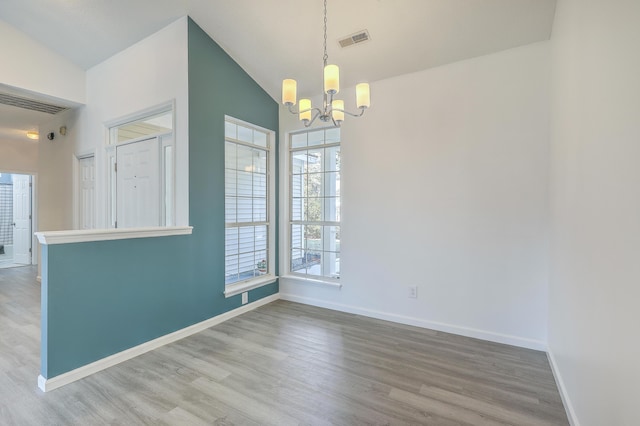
(281, 364)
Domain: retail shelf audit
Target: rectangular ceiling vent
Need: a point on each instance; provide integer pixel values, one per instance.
(30, 104)
(355, 38)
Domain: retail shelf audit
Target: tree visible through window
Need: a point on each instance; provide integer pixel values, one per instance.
(315, 203)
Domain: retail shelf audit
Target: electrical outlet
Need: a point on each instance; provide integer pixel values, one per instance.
(245, 298)
(413, 292)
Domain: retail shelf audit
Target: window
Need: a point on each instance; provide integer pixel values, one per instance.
(151, 124)
(314, 200)
(249, 242)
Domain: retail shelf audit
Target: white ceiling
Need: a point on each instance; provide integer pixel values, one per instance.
(277, 39)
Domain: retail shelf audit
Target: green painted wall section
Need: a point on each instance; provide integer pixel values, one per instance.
(217, 86)
(100, 298)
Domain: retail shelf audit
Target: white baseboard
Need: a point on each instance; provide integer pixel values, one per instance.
(568, 407)
(47, 385)
(448, 328)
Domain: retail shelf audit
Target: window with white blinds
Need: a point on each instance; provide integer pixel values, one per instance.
(314, 200)
(248, 233)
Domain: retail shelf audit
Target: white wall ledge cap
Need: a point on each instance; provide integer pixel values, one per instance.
(88, 235)
(329, 282)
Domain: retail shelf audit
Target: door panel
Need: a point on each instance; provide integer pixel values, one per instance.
(87, 194)
(138, 188)
(21, 219)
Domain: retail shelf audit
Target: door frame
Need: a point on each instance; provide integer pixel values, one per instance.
(35, 252)
(108, 158)
(24, 179)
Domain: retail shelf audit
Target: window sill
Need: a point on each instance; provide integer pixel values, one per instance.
(241, 287)
(303, 280)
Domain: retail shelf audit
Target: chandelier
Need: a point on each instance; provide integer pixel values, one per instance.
(332, 109)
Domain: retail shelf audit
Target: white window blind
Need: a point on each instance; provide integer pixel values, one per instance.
(247, 221)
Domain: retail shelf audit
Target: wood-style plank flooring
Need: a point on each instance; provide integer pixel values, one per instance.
(281, 364)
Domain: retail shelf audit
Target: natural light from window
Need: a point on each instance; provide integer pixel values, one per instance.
(314, 162)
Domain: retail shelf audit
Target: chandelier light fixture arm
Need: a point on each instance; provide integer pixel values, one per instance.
(352, 114)
(307, 122)
(332, 109)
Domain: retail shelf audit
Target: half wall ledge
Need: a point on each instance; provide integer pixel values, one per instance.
(87, 235)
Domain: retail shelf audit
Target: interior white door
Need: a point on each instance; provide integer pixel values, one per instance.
(87, 193)
(21, 219)
(138, 184)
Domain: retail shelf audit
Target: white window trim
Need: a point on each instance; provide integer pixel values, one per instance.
(257, 282)
(323, 281)
(285, 215)
(140, 114)
(242, 286)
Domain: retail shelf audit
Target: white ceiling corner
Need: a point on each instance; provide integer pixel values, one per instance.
(279, 39)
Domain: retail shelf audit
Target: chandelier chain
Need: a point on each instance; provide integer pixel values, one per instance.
(325, 57)
(332, 110)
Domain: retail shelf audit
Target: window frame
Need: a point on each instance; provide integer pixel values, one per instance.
(286, 191)
(251, 283)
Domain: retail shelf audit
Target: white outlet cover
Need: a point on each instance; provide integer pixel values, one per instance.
(245, 298)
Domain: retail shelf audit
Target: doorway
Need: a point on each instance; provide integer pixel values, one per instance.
(15, 220)
(86, 192)
(140, 162)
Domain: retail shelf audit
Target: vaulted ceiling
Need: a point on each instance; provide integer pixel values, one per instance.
(277, 39)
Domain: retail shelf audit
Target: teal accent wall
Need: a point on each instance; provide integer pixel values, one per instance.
(218, 86)
(101, 298)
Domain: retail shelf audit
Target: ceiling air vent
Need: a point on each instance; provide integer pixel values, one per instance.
(30, 104)
(355, 38)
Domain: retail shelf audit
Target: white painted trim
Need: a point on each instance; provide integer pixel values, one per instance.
(323, 281)
(283, 204)
(566, 401)
(271, 149)
(166, 106)
(284, 170)
(47, 385)
(255, 126)
(432, 325)
(35, 247)
(75, 171)
(87, 235)
(241, 287)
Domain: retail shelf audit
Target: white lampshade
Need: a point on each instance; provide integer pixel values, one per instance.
(305, 109)
(363, 96)
(337, 105)
(331, 79)
(289, 88)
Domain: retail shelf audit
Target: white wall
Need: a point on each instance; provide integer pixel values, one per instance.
(55, 176)
(445, 186)
(147, 74)
(595, 256)
(19, 156)
(54, 180)
(28, 65)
